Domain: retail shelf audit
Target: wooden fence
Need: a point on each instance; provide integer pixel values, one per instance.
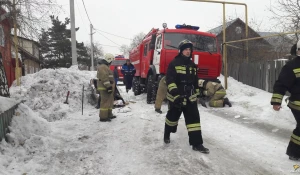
(261, 75)
(5, 119)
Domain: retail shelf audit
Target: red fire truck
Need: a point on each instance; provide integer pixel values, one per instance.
(152, 57)
(118, 61)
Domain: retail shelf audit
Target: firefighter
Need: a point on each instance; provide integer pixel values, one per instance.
(161, 94)
(183, 90)
(289, 80)
(128, 70)
(216, 93)
(106, 87)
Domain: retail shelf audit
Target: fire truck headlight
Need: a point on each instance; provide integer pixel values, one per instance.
(164, 25)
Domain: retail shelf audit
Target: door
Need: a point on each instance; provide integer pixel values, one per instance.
(157, 52)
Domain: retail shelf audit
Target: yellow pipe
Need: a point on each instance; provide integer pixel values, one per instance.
(17, 70)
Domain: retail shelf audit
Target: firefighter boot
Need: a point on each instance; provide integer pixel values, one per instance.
(158, 111)
(105, 120)
(201, 149)
(294, 158)
(112, 117)
(167, 137)
(226, 102)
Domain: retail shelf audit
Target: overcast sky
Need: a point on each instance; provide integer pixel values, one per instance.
(127, 18)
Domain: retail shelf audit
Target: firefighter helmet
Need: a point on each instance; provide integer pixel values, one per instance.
(185, 44)
(109, 57)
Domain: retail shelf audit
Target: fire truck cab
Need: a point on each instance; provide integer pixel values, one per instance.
(159, 47)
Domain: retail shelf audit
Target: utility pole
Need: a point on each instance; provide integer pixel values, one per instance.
(92, 48)
(73, 33)
(16, 44)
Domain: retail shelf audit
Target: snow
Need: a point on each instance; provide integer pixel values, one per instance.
(50, 137)
(6, 103)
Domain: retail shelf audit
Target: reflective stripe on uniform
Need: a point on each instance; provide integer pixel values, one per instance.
(297, 72)
(193, 98)
(172, 86)
(295, 139)
(171, 98)
(106, 83)
(101, 89)
(180, 69)
(277, 98)
(294, 105)
(105, 109)
(221, 92)
(168, 122)
(193, 127)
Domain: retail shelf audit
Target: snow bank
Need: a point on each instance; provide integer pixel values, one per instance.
(29, 135)
(46, 91)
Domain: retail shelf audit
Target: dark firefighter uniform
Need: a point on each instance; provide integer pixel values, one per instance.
(289, 80)
(182, 84)
(128, 70)
(161, 94)
(215, 91)
(106, 87)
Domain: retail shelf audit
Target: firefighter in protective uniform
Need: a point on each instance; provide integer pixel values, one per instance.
(183, 90)
(161, 94)
(216, 93)
(289, 80)
(105, 86)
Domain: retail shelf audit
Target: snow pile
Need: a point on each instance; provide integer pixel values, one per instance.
(27, 126)
(251, 103)
(29, 136)
(46, 91)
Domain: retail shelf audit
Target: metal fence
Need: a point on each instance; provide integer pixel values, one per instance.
(261, 75)
(5, 119)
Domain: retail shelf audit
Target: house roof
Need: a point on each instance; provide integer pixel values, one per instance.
(219, 29)
(277, 40)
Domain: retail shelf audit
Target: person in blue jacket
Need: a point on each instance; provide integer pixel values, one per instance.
(128, 70)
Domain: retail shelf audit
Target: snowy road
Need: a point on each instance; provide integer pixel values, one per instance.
(249, 138)
(132, 144)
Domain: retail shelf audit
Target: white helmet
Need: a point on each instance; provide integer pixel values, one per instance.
(298, 48)
(109, 57)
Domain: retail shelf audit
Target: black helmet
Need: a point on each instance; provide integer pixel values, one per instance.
(185, 44)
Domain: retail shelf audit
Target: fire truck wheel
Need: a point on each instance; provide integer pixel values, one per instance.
(150, 90)
(136, 86)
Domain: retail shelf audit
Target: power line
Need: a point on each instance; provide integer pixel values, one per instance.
(86, 11)
(113, 34)
(109, 45)
(81, 16)
(108, 38)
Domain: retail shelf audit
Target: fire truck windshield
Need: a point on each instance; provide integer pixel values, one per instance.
(200, 42)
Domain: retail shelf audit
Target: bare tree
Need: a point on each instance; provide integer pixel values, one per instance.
(98, 50)
(124, 49)
(287, 15)
(31, 15)
(137, 39)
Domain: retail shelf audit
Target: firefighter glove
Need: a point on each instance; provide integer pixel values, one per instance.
(109, 90)
(178, 101)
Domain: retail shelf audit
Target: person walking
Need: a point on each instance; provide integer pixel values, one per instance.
(128, 70)
(106, 87)
(289, 80)
(183, 90)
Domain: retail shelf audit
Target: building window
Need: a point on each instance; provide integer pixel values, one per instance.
(2, 37)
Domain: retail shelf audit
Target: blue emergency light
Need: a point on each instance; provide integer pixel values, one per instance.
(178, 26)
